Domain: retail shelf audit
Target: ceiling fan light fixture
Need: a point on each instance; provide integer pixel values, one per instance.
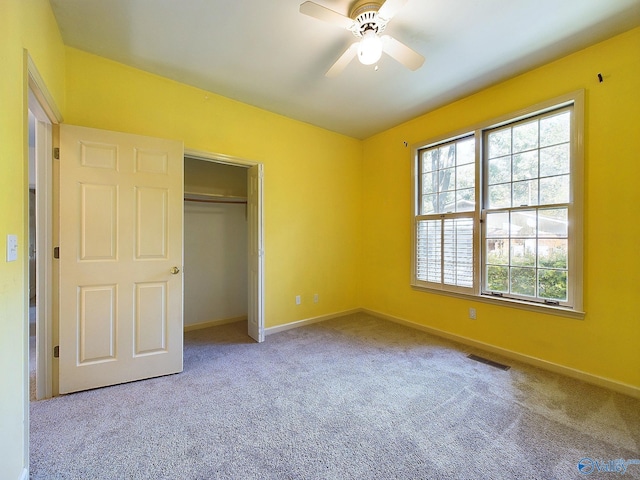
(367, 20)
(369, 48)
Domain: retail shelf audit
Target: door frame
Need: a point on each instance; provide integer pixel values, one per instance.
(256, 229)
(47, 116)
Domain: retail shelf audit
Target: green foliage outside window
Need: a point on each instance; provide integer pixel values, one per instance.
(552, 280)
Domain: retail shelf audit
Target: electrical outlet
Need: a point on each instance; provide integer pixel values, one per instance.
(298, 300)
(472, 313)
(316, 298)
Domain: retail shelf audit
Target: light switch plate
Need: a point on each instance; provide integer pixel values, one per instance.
(12, 248)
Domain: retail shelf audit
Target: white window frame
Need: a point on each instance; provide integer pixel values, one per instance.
(574, 307)
(443, 218)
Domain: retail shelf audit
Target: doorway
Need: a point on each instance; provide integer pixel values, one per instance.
(215, 244)
(224, 254)
(40, 250)
(32, 259)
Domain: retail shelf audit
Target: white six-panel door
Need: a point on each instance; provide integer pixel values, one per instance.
(121, 227)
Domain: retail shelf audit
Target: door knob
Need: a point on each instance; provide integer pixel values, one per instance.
(175, 270)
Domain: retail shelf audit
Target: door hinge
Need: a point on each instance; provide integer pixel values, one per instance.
(56, 252)
(56, 153)
(56, 351)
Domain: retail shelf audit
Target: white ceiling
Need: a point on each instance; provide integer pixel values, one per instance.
(267, 54)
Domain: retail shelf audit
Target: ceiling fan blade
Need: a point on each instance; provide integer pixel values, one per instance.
(400, 52)
(390, 8)
(343, 61)
(325, 14)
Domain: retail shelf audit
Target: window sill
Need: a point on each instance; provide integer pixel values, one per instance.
(509, 302)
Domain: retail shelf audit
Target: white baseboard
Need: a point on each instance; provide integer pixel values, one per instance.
(308, 321)
(619, 387)
(25, 474)
(213, 323)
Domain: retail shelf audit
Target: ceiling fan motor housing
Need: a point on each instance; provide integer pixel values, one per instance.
(365, 15)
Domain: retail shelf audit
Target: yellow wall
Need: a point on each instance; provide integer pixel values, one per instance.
(333, 227)
(607, 342)
(31, 25)
(311, 182)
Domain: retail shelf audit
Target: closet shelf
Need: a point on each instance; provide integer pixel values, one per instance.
(212, 198)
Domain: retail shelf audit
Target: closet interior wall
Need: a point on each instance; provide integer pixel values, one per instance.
(215, 243)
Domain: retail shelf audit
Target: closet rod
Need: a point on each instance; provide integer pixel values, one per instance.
(214, 201)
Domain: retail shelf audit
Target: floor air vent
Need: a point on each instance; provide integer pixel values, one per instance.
(488, 362)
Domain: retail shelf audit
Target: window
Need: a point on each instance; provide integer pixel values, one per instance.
(497, 211)
(446, 210)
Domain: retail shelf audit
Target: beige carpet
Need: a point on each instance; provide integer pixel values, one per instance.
(350, 398)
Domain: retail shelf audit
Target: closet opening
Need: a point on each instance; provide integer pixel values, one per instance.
(219, 286)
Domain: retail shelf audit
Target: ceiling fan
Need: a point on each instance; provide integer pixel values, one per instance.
(366, 21)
